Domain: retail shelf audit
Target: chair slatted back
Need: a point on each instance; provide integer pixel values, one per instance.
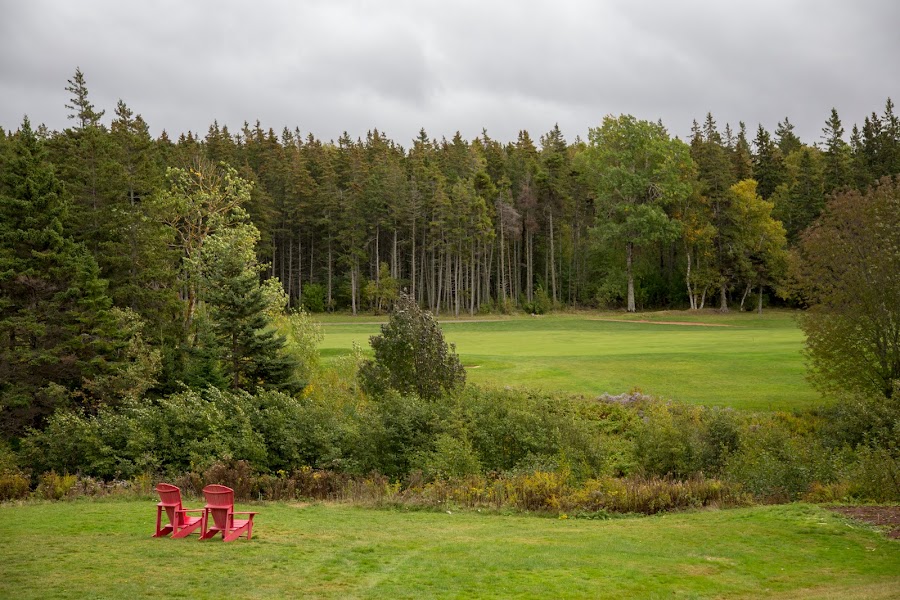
(220, 503)
(170, 499)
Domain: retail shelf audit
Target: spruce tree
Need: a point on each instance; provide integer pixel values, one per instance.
(768, 164)
(787, 140)
(837, 154)
(240, 308)
(56, 326)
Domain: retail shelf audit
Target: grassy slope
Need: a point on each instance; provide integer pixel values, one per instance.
(103, 550)
(754, 363)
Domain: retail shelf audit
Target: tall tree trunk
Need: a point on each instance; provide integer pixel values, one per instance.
(529, 265)
(288, 283)
(746, 293)
(412, 257)
(354, 269)
(330, 273)
(759, 300)
(629, 250)
(474, 281)
(690, 286)
(377, 255)
(458, 280)
(395, 267)
(553, 260)
(501, 272)
(723, 299)
(440, 285)
(300, 267)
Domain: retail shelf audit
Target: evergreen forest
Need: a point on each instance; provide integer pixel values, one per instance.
(145, 280)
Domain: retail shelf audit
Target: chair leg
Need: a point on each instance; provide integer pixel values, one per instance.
(160, 530)
(187, 530)
(236, 533)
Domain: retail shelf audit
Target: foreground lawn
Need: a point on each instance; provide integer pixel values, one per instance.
(743, 361)
(103, 549)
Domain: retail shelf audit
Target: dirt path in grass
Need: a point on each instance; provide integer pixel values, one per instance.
(882, 516)
(688, 323)
(441, 321)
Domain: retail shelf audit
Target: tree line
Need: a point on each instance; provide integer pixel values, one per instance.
(128, 261)
(479, 225)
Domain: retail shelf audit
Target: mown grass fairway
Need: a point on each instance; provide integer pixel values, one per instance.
(103, 549)
(743, 361)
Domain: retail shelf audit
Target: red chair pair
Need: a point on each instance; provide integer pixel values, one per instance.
(219, 506)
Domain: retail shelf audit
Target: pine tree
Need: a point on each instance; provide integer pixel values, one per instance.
(837, 154)
(56, 326)
(742, 157)
(240, 306)
(768, 164)
(787, 140)
(83, 112)
(135, 256)
(86, 161)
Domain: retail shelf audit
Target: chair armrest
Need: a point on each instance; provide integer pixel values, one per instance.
(244, 513)
(191, 510)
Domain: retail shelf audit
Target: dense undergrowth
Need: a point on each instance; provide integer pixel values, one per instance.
(480, 448)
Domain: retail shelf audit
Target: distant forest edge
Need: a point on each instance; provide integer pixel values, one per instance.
(474, 226)
(144, 282)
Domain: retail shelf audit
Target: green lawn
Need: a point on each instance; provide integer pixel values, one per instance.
(747, 362)
(103, 549)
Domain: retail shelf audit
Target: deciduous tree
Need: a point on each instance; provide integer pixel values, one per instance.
(849, 273)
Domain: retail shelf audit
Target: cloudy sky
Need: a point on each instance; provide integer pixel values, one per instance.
(447, 65)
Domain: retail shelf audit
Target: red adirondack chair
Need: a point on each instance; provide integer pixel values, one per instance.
(180, 523)
(220, 506)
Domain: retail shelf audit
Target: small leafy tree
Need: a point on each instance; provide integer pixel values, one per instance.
(382, 291)
(849, 273)
(411, 355)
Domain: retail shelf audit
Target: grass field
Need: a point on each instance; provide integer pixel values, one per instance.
(744, 361)
(103, 549)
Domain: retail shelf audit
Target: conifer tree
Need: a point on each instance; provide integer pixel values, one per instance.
(240, 308)
(768, 164)
(837, 155)
(56, 327)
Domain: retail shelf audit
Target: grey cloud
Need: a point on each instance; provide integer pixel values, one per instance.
(398, 66)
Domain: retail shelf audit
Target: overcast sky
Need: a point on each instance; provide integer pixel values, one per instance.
(330, 66)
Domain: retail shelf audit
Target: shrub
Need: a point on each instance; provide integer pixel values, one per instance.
(653, 495)
(682, 441)
(411, 356)
(53, 486)
(303, 335)
(451, 457)
(777, 464)
(313, 297)
(516, 429)
(875, 476)
(14, 485)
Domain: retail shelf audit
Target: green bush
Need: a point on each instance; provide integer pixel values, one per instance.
(875, 475)
(14, 485)
(55, 487)
(678, 440)
(777, 462)
(313, 298)
(519, 430)
(451, 457)
(411, 356)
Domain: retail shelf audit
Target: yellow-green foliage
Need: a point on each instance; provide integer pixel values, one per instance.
(55, 487)
(13, 485)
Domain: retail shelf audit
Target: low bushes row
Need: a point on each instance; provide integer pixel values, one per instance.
(483, 447)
